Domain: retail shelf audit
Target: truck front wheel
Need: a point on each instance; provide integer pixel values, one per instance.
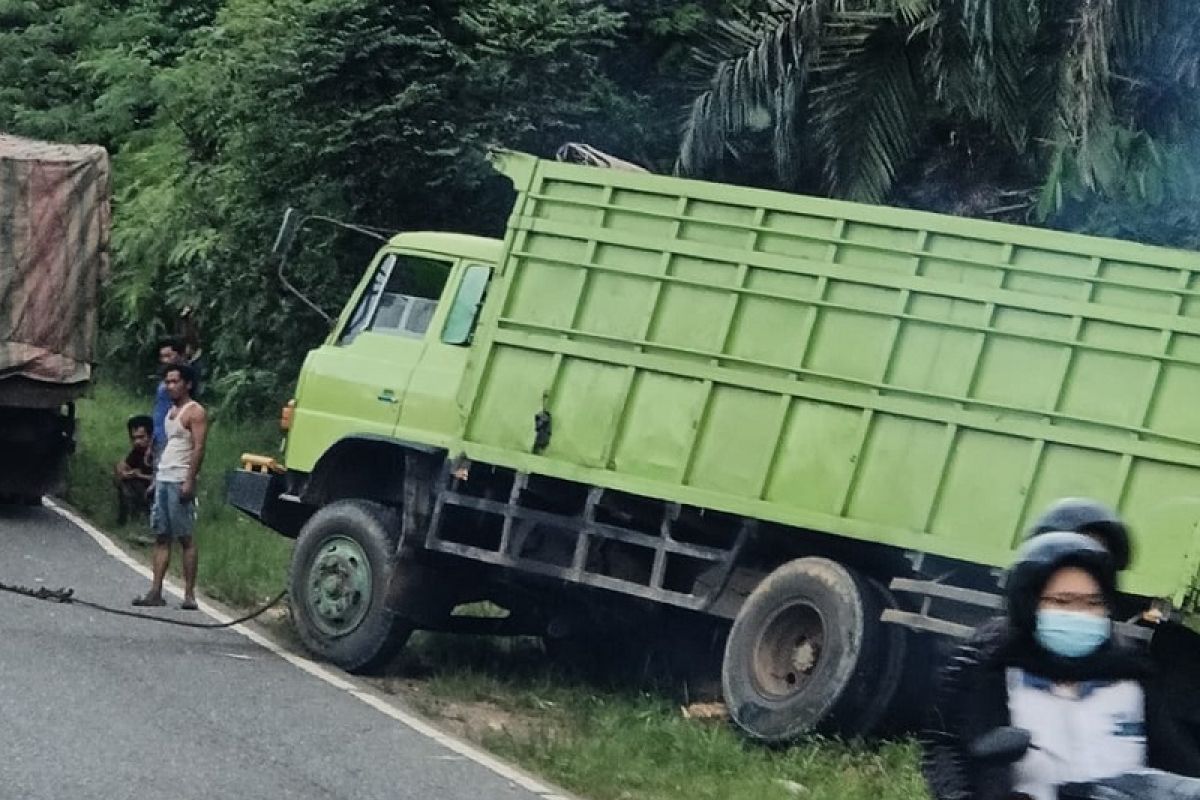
(341, 570)
(808, 653)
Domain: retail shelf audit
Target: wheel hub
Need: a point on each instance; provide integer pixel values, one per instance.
(789, 650)
(339, 583)
(805, 657)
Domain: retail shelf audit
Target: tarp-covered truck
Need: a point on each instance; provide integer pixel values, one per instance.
(792, 418)
(54, 228)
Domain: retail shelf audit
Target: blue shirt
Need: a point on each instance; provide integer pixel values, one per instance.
(162, 405)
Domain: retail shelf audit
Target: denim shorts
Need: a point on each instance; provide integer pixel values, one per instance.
(172, 516)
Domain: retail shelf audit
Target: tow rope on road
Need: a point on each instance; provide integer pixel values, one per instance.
(67, 597)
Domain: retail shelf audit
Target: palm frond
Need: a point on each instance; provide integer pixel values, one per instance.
(808, 72)
(867, 109)
(1085, 102)
(982, 57)
(747, 87)
(1156, 64)
(913, 13)
(788, 135)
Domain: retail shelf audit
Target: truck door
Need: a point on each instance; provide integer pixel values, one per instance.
(431, 411)
(355, 383)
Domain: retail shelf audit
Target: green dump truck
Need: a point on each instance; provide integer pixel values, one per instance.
(54, 228)
(808, 428)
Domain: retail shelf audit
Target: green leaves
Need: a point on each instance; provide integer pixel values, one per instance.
(533, 70)
(832, 81)
(223, 112)
(866, 110)
(1009, 96)
(759, 73)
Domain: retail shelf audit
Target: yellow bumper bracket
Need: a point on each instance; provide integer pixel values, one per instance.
(256, 463)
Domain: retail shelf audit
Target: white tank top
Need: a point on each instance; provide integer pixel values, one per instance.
(177, 454)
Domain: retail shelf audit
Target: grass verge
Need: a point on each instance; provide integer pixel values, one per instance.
(603, 742)
(240, 563)
(612, 743)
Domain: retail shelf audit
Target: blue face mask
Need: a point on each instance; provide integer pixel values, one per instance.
(1072, 634)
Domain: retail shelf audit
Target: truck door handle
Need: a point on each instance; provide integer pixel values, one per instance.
(387, 396)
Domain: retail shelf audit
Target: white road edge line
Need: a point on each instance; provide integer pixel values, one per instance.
(322, 672)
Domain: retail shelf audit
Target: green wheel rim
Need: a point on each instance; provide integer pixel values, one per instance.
(339, 586)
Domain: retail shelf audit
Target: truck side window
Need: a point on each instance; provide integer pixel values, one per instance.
(368, 303)
(460, 322)
(401, 299)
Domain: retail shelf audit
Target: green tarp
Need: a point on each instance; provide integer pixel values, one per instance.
(54, 228)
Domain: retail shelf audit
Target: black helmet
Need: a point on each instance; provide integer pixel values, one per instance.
(1040, 558)
(1081, 515)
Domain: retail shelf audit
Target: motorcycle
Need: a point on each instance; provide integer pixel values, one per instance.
(1148, 784)
(1008, 745)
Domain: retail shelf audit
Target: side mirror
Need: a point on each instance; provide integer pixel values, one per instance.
(293, 221)
(1001, 746)
(287, 232)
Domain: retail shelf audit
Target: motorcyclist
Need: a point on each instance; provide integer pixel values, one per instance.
(1091, 517)
(1091, 702)
(1174, 648)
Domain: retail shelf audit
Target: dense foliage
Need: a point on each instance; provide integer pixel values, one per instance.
(221, 113)
(1019, 108)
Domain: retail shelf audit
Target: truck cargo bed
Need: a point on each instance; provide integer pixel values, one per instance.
(904, 378)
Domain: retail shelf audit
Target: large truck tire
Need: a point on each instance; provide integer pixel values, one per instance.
(808, 653)
(910, 709)
(891, 663)
(338, 589)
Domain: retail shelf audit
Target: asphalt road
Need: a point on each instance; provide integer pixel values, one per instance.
(96, 706)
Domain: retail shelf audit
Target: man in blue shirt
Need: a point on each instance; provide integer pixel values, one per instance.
(170, 352)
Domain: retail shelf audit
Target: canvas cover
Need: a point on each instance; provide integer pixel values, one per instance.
(54, 229)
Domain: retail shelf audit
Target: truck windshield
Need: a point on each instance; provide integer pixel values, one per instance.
(401, 298)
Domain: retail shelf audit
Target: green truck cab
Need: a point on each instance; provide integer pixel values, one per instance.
(394, 363)
(807, 433)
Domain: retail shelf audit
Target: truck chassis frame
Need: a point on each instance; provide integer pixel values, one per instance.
(675, 562)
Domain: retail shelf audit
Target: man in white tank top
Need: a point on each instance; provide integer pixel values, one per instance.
(173, 516)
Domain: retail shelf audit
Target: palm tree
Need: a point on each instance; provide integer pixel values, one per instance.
(973, 106)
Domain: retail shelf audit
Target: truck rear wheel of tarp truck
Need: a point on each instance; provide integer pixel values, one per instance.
(54, 230)
(742, 424)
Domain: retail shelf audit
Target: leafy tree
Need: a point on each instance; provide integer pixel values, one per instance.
(376, 112)
(75, 70)
(40, 77)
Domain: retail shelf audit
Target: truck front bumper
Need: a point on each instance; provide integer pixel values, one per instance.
(259, 490)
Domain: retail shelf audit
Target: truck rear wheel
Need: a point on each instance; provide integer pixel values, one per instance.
(808, 653)
(888, 668)
(341, 571)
